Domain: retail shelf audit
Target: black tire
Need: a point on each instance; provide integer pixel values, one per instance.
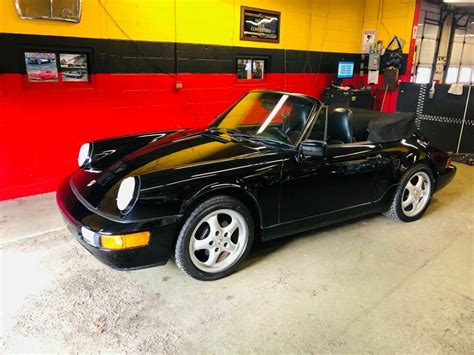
(196, 219)
(396, 210)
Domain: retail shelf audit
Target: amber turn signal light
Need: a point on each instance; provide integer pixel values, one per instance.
(125, 241)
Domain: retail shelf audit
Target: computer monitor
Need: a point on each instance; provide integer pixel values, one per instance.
(345, 70)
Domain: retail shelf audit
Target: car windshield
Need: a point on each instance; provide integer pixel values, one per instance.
(267, 116)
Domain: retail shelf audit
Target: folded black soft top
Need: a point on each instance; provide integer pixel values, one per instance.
(384, 126)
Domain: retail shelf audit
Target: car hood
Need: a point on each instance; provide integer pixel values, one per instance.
(174, 153)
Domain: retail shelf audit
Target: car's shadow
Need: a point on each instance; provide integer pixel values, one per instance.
(443, 199)
(261, 249)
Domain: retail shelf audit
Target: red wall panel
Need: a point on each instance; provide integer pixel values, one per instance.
(43, 124)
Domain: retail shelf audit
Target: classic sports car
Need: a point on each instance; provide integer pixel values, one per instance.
(273, 164)
(74, 74)
(43, 75)
(40, 60)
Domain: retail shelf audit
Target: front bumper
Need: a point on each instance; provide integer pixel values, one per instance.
(445, 177)
(157, 252)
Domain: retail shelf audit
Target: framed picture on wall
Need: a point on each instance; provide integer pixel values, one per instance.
(251, 68)
(73, 67)
(41, 66)
(54, 65)
(259, 25)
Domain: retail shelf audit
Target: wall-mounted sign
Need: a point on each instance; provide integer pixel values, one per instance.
(414, 33)
(259, 25)
(368, 41)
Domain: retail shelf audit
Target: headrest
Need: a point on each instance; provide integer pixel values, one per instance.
(340, 125)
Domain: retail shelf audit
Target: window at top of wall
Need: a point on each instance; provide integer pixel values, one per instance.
(60, 10)
(452, 75)
(250, 68)
(465, 76)
(423, 75)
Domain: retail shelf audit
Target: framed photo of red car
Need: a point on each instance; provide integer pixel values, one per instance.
(259, 25)
(41, 66)
(56, 67)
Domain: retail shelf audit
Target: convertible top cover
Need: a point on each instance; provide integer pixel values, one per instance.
(385, 126)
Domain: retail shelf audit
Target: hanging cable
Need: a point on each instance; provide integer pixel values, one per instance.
(324, 39)
(134, 42)
(308, 40)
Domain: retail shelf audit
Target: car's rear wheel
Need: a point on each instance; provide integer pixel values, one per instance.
(215, 239)
(413, 195)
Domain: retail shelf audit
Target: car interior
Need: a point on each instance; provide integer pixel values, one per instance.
(335, 125)
(296, 122)
(352, 125)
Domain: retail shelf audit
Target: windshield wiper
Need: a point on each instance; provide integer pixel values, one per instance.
(210, 134)
(239, 134)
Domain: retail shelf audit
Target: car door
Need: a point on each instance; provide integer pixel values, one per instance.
(341, 179)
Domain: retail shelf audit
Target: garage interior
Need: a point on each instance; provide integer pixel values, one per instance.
(75, 71)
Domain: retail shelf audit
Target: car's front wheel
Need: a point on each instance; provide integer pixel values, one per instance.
(413, 195)
(215, 239)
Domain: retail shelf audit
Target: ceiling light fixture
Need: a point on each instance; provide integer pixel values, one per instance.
(467, 2)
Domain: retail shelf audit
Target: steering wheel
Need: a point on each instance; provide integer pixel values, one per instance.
(276, 132)
(283, 135)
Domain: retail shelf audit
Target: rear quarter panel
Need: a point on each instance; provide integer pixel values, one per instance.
(399, 156)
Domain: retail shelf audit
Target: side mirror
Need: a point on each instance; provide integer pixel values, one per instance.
(313, 148)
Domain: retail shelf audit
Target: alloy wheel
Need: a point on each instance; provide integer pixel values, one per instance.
(219, 240)
(416, 194)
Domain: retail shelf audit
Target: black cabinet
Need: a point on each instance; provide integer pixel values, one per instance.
(348, 98)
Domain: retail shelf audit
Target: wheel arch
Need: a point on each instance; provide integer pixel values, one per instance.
(432, 167)
(394, 210)
(233, 190)
(420, 160)
(416, 155)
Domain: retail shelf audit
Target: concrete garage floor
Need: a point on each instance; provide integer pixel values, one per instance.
(372, 285)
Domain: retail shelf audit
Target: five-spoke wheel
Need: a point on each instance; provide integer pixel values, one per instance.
(413, 195)
(417, 194)
(215, 238)
(218, 240)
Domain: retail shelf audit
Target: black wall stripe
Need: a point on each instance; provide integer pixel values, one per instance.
(120, 56)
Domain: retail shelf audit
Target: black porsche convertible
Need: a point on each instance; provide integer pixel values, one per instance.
(273, 164)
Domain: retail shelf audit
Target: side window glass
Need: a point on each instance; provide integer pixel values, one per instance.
(318, 131)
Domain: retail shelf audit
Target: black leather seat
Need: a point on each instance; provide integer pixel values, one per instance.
(295, 124)
(339, 129)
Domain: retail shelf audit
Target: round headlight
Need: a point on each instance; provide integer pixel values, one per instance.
(84, 154)
(126, 193)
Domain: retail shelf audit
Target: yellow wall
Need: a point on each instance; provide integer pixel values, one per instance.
(396, 19)
(335, 25)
